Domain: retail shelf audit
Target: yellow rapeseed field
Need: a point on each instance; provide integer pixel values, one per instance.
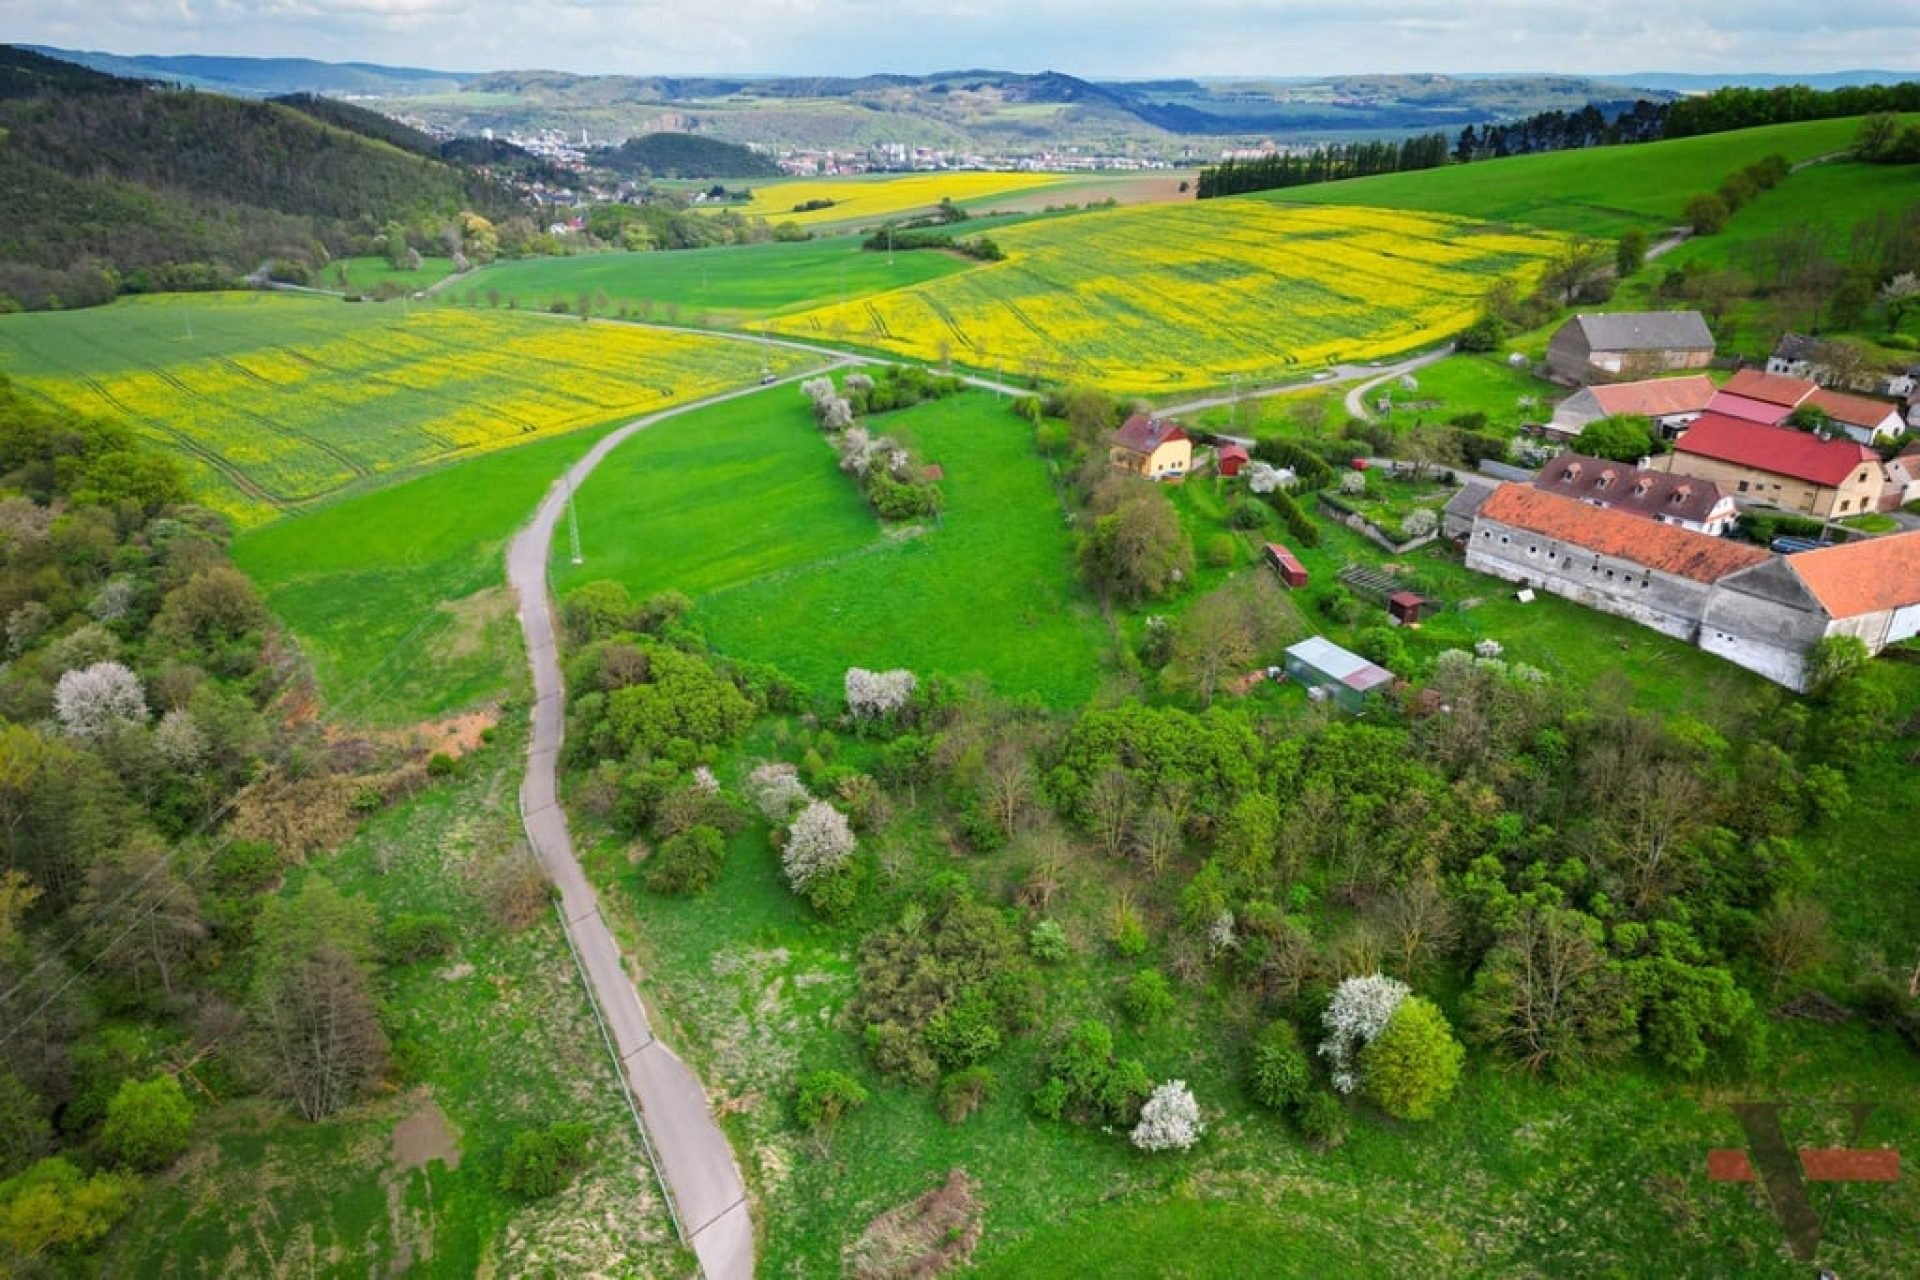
(1155, 300)
(276, 401)
(876, 198)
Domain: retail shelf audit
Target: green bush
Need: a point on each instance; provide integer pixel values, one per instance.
(541, 1161)
(1048, 942)
(1148, 998)
(1322, 1119)
(963, 1092)
(688, 863)
(1281, 1074)
(1221, 551)
(824, 1097)
(148, 1123)
(1412, 1066)
(413, 936)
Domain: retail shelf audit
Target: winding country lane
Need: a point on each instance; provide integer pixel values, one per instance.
(708, 1197)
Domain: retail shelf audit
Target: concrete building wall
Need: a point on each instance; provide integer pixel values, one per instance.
(1766, 634)
(1663, 602)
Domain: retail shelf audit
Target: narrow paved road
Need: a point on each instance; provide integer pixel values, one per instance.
(694, 1161)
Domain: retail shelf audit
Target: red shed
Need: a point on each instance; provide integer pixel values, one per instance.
(1232, 458)
(1284, 563)
(1404, 607)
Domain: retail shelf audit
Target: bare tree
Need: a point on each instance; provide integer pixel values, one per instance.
(1156, 838)
(139, 915)
(1417, 921)
(1007, 778)
(321, 1029)
(1110, 804)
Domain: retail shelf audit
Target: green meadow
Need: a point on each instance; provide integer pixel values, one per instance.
(743, 508)
(725, 284)
(1603, 190)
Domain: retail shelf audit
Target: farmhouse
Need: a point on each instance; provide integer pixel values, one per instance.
(1903, 479)
(1319, 663)
(1859, 418)
(1796, 355)
(1670, 498)
(1753, 396)
(1622, 345)
(1658, 575)
(1794, 470)
(1669, 403)
(1763, 612)
(1153, 447)
(1769, 618)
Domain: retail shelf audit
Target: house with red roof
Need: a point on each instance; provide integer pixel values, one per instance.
(1859, 418)
(1762, 611)
(1794, 470)
(1668, 497)
(1156, 448)
(1668, 403)
(1753, 396)
(1769, 618)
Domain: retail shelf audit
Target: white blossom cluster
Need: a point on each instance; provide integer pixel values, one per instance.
(1353, 483)
(1221, 937)
(830, 408)
(704, 782)
(1359, 1011)
(93, 699)
(776, 791)
(818, 843)
(1264, 477)
(1171, 1119)
(871, 694)
(858, 382)
(180, 742)
(114, 601)
(1420, 522)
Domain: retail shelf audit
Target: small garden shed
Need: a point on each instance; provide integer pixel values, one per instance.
(1319, 663)
(1231, 457)
(1405, 608)
(1287, 565)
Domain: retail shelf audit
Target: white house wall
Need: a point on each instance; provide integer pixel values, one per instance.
(1659, 601)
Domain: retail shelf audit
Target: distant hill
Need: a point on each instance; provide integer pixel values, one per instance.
(109, 184)
(683, 155)
(495, 156)
(266, 77)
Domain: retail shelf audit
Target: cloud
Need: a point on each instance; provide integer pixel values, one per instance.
(1086, 37)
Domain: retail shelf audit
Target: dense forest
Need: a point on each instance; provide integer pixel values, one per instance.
(112, 185)
(684, 155)
(1322, 164)
(156, 780)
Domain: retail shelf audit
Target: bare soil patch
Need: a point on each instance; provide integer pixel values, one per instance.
(926, 1236)
(423, 1136)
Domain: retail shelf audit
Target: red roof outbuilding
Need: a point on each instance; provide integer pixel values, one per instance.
(1232, 457)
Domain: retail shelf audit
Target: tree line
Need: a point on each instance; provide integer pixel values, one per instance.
(1322, 164)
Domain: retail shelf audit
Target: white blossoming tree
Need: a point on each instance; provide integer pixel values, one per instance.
(1420, 522)
(1264, 477)
(818, 843)
(1171, 1119)
(1353, 483)
(874, 694)
(1358, 1012)
(180, 742)
(704, 782)
(776, 791)
(93, 699)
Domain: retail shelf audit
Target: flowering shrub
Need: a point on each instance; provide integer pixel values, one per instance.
(872, 694)
(1170, 1120)
(776, 791)
(91, 700)
(818, 844)
(1359, 1011)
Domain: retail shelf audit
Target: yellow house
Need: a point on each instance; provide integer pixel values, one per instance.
(1151, 447)
(1794, 470)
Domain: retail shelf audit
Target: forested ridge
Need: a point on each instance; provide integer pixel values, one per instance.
(111, 185)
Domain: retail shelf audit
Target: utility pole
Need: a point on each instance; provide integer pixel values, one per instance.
(573, 524)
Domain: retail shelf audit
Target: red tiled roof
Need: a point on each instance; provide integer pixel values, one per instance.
(1863, 577)
(1655, 397)
(1666, 547)
(1774, 388)
(1733, 406)
(1854, 411)
(1233, 451)
(1142, 434)
(1780, 451)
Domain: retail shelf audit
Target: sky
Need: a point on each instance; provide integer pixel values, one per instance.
(1113, 38)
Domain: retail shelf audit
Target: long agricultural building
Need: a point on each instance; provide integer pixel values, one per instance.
(1761, 611)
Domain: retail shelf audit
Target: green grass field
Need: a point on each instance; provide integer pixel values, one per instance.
(1604, 190)
(498, 1035)
(718, 286)
(398, 596)
(274, 402)
(743, 508)
(364, 275)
